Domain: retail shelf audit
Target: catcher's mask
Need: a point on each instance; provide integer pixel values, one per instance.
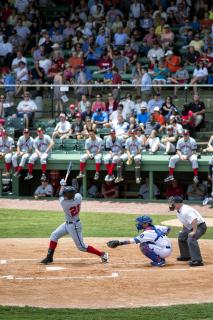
(173, 200)
(141, 220)
(69, 192)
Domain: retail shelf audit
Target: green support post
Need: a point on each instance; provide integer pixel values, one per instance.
(85, 185)
(15, 186)
(151, 185)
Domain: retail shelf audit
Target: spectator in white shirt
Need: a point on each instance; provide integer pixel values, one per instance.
(22, 77)
(26, 109)
(6, 50)
(21, 5)
(19, 58)
(63, 128)
(45, 64)
(200, 75)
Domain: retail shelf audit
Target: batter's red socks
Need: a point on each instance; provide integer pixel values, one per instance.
(92, 250)
(171, 171)
(82, 166)
(30, 168)
(53, 245)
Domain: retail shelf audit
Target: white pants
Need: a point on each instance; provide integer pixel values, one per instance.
(97, 158)
(43, 158)
(174, 159)
(23, 161)
(162, 252)
(8, 158)
(109, 158)
(137, 159)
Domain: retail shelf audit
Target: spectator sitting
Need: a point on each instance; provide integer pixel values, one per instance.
(160, 73)
(157, 116)
(119, 61)
(181, 76)
(153, 143)
(143, 192)
(155, 51)
(92, 192)
(197, 43)
(44, 190)
(88, 126)
(26, 109)
(22, 77)
(62, 128)
(174, 189)
(145, 81)
(172, 61)
(188, 119)
(191, 56)
(109, 190)
(111, 104)
(209, 146)
(168, 107)
(200, 75)
(198, 108)
(99, 118)
(121, 127)
(98, 104)
(114, 115)
(77, 127)
(156, 101)
(196, 191)
(143, 116)
(169, 140)
(167, 37)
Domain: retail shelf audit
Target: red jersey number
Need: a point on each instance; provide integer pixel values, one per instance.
(75, 210)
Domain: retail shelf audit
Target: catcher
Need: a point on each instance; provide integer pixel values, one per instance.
(153, 241)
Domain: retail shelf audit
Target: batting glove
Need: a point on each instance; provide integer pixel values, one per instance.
(62, 182)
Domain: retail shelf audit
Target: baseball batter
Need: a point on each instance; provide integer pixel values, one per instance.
(6, 149)
(115, 147)
(93, 147)
(186, 151)
(42, 145)
(24, 150)
(133, 152)
(71, 204)
(194, 227)
(154, 243)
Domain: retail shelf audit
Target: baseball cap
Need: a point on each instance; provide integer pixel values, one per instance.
(26, 130)
(176, 199)
(156, 109)
(40, 129)
(168, 52)
(72, 106)
(112, 131)
(132, 131)
(62, 115)
(144, 105)
(185, 132)
(55, 45)
(44, 179)
(78, 115)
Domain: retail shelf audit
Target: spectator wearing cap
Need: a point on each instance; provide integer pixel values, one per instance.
(167, 37)
(169, 140)
(143, 116)
(156, 101)
(22, 77)
(186, 151)
(115, 148)
(100, 118)
(6, 149)
(157, 116)
(93, 147)
(175, 121)
(23, 152)
(26, 109)
(172, 61)
(44, 190)
(72, 112)
(77, 127)
(98, 104)
(62, 129)
(155, 51)
(42, 147)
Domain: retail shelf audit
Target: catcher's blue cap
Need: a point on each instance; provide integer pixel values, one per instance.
(141, 220)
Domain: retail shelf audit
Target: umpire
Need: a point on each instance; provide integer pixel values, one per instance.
(194, 226)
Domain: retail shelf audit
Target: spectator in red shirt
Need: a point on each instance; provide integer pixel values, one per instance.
(130, 53)
(174, 189)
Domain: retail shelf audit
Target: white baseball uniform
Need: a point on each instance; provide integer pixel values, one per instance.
(6, 144)
(94, 147)
(116, 148)
(186, 148)
(26, 146)
(133, 146)
(41, 144)
(45, 190)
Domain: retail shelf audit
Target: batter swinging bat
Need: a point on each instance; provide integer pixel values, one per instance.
(69, 168)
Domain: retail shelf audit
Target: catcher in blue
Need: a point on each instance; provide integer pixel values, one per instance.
(153, 240)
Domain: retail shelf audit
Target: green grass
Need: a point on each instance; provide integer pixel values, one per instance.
(39, 224)
(182, 312)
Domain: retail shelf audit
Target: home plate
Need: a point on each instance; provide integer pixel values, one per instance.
(54, 268)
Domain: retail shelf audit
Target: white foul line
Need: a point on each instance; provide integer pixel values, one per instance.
(12, 277)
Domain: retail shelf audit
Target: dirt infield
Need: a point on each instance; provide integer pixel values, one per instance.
(81, 281)
(100, 206)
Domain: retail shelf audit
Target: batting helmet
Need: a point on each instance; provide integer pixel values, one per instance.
(141, 220)
(69, 192)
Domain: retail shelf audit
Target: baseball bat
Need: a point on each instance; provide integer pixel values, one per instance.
(68, 171)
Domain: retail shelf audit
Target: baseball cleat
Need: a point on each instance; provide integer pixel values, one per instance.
(28, 176)
(47, 260)
(17, 174)
(43, 176)
(96, 176)
(107, 178)
(196, 263)
(205, 201)
(111, 177)
(195, 179)
(105, 257)
(183, 258)
(80, 175)
(161, 263)
(169, 178)
(119, 179)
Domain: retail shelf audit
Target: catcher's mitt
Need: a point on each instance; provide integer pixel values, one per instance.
(113, 243)
(129, 162)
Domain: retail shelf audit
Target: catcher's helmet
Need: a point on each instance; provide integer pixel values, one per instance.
(141, 220)
(173, 200)
(69, 192)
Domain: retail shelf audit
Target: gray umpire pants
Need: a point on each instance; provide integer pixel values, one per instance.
(188, 246)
